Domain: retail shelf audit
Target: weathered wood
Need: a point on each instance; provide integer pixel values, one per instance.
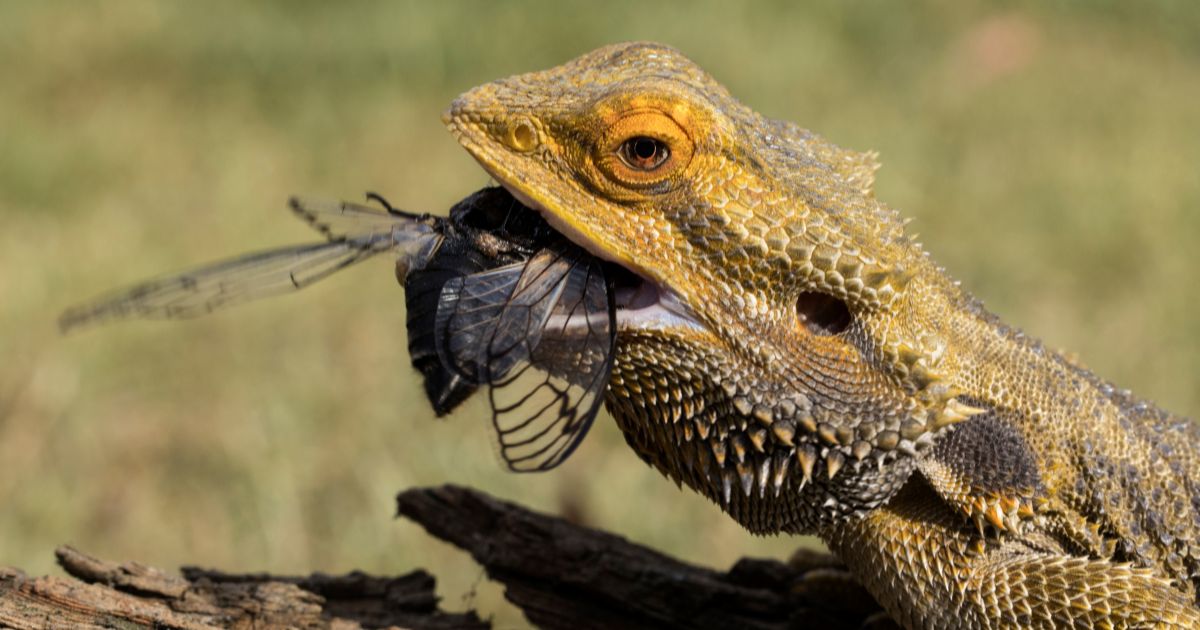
(560, 574)
(130, 595)
(567, 576)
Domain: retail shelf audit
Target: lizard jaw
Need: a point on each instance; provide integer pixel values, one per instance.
(641, 303)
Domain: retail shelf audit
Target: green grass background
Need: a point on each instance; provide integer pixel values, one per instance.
(1049, 152)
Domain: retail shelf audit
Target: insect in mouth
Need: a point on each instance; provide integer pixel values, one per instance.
(496, 300)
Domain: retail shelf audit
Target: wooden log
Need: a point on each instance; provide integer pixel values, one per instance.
(130, 595)
(560, 574)
(577, 578)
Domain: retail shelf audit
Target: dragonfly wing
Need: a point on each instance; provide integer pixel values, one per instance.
(489, 321)
(339, 219)
(230, 282)
(540, 334)
(542, 408)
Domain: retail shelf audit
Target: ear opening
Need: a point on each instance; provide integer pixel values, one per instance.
(823, 314)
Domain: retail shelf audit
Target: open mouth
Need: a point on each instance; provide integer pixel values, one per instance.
(641, 303)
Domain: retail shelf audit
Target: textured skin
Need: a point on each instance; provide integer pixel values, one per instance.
(833, 379)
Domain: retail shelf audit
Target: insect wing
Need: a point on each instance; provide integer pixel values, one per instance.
(338, 219)
(206, 289)
(541, 410)
(490, 321)
(203, 290)
(541, 336)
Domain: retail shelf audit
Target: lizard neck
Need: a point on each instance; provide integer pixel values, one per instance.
(1116, 473)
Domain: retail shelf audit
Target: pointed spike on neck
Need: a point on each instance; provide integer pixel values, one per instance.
(833, 463)
(807, 457)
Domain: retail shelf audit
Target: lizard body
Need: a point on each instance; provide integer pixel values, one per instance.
(788, 351)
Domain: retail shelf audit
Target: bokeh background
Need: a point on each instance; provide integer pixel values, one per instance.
(1049, 152)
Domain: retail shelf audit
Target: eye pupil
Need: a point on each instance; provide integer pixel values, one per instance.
(645, 148)
(644, 153)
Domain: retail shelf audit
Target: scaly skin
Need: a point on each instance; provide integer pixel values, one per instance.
(825, 376)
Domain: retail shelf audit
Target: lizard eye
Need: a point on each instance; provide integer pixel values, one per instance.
(644, 153)
(642, 149)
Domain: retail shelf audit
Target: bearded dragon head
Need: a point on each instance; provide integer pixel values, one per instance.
(763, 356)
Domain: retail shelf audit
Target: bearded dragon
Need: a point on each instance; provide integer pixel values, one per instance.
(785, 349)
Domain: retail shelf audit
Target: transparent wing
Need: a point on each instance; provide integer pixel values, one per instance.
(541, 336)
(491, 320)
(541, 410)
(355, 233)
(242, 279)
(338, 219)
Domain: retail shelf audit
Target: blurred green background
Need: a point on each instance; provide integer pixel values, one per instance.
(1050, 153)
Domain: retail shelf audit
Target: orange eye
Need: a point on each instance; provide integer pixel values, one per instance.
(644, 153)
(642, 148)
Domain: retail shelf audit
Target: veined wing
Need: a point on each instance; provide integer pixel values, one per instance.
(489, 321)
(261, 274)
(338, 219)
(541, 336)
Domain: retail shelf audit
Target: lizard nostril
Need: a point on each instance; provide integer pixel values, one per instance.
(823, 314)
(522, 136)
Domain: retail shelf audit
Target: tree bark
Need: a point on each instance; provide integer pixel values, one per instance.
(577, 578)
(130, 595)
(560, 574)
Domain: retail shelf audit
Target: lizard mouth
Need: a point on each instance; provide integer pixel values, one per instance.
(640, 302)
